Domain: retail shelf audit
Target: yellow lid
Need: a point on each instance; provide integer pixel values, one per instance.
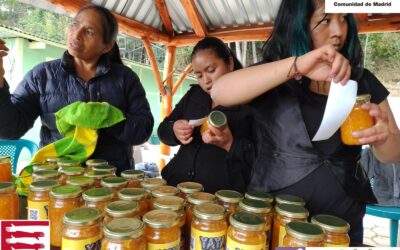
(217, 119)
(45, 174)
(114, 182)
(65, 192)
(131, 194)
(82, 181)
(259, 195)
(331, 223)
(200, 197)
(289, 199)
(164, 191)
(291, 211)
(118, 209)
(83, 216)
(173, 203)
(98, 174)
(363, 98)
(305, 231)
(72, 170)
(255, 206)
(161, 218)
(68, 162)
(209, 211)
(44, 185)
(124, 229)
(132, 174)
(190, 187)
(247, 221)
(152, 183)
(98, 194)
(96, 162)
(229, 196)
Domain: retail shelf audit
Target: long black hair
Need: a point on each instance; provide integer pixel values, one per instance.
(220, 50)
(110, 30)
(291, 35)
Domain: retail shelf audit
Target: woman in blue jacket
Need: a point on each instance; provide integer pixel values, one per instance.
(90, 70)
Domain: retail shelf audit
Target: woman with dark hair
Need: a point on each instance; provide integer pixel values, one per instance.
(90, 70)
(289, 90)
(218, 158)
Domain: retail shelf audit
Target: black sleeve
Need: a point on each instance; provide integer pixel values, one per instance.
(369, 84)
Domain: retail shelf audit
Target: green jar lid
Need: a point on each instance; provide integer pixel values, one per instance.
(209, 211)
(331, 223)
(124, 229)
(65, 192)
(118, 209)
(305, 231)
(131, 194)
(255, 206)
(173, 203)
(132, 174)
(107, 168)
(44, 166)
(292, 211)
(83, 216)
(259, 195)
(164, 191)
(98, 174)
(152, 183)
(217, 119)
(45, 174)
(114, 182)
(72, 170)
(229, 196)
(5, 159)
(7, 187)
(363, 98)
(160, 218)
(44, 185)
(52, 160)
(96, 162)
(68, 162)
(190, 187)
(247, 221)
(201, 197)
(98, 194)
(82, 181)
(289, 199)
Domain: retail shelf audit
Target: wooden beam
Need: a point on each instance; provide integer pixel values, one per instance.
(154, 66)
(380, 23)
(195, 18)
(182, 77)
(162, 9)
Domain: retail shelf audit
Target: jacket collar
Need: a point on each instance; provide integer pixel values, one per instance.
(67, 63)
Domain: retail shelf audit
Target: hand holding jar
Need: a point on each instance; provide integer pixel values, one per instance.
(183, 131)
(216, 131)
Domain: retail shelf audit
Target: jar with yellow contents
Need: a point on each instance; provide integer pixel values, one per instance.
(39, 198)
(134, 177)
(5, 168)
(259, 195)
(124, 234)
(285, 213)
(62, 163)
(98, 198)
(246, 231)
(107, 168)
(82, 229)
(289, 199)
(262, 209)
(162, 230)
(41, 175)
(97, 176)
(188, 188)
(83, 182)
(9, 206)
(149, 184)
(216, 118)
(94, 162)
(68, 172)
(229, 199)
(121, 209)
(62, 200)
(137, 195)
(209, 227)
(176, 204)
(303, 234)
(163, 191)
(336, 230)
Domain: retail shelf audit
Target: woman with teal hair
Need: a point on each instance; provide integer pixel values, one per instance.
(289, 89)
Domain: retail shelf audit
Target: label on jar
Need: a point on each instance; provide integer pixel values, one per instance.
(74, 244)
(175, 245)
(38, 210)
(282, 232)
(234, 245)
(205, 240)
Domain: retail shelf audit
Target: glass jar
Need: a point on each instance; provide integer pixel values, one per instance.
(216, 118)
(289, 199)
(262, 209)
(82, 229)
(259, 195)
(121, 209)
(285, 213)
(106, 168)
(44, 166)
(188, 188)
(209, 227)
(162, 230)
(5, 169)
(303, 234)
(229, 199)
(134, 177)
(163, 191)
(124, 234)
(176, 204)
(68, 172)
(135, 194)
(335, 229)
(63, 162)
(358, 119)
(9, 206)
(52, 160)
(151, 183)
(114, 183)
(39, 198)
(97, 176)
(83, 182)
(98, 198)
(62, 200)
(246, 231)
(94, 162)
(41, 175)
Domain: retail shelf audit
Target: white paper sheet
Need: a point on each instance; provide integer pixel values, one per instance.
(198, 122)
(340, 102)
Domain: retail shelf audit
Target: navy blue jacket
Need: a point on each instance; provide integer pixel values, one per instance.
(53, 85)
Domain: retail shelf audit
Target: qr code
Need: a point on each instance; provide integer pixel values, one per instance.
(33, 214)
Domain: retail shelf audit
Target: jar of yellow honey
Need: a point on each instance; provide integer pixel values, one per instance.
(289, 199)
(149, 184)
(98, 198)
(188, 188)
(335, 229)
(39, 198)
(94, 162)
(358, 119)
(135, 194)
(97, 176)
(229, 199)
(5, 169)
(163, 191)
(41, 175)
(134, 177)
(259, 195)
(121, 209)
(216, 118)
(82, 181)
(68, 172)
(9, 206)
(303, 234)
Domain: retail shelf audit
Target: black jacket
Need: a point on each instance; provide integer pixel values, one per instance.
(207, 164)
(53, 85)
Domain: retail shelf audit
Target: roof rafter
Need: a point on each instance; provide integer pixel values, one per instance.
(162, 9)
(195, 18)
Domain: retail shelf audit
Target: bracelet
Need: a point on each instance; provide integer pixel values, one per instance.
(296, 73)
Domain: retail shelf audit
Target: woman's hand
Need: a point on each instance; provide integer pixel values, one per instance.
(324, 64)
(3, 53)
(220, 137)
(183, 131)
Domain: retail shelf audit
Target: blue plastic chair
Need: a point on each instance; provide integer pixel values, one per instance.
(392, 213)
(13, 149)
